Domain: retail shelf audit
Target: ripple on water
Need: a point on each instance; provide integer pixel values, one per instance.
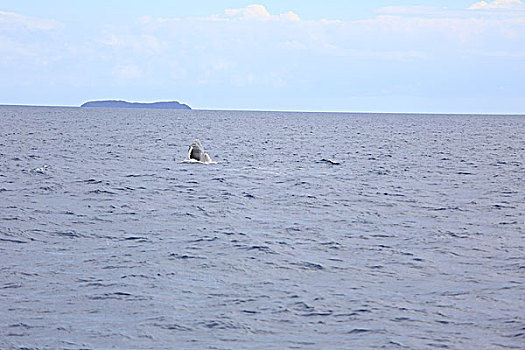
(325, 234)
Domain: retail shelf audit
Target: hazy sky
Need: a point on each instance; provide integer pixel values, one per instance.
(388, 56)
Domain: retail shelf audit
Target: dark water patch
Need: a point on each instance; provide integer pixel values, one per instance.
(250, 312)
(185, 256)
(92, 181)
(87, 280)
(172, 327)
(359, 331)
(10, 285)
(68, 234)
(446, 208)
(124, 189)
(376, 267)
(141, 175)
(502, 206)
(99, 284)
(124, 296)
(99, 191)
(140, 276)
(114, 267)
(508, 223)
(317, 313)
(219, 324)
(456, 234)
(204, 239)
(332, 245)
(136, 238)
(121, 293)
(259, 248)
(393, 194)
(22, 326)
(309, 266)
(13, 240)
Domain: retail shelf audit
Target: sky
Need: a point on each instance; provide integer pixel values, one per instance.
(440, 56)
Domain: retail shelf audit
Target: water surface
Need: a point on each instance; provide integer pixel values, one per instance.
(411, 237)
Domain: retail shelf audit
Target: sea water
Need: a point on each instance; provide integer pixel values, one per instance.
(312, 230)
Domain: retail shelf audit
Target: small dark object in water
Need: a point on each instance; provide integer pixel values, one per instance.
(330, 161)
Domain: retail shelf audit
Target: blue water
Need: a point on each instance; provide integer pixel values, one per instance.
(412, 236)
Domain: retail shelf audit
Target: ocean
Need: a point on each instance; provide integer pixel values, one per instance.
(311, 231)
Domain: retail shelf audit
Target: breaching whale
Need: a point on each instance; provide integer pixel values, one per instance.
(196, 153)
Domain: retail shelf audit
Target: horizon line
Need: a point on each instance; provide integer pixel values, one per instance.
(283, 110)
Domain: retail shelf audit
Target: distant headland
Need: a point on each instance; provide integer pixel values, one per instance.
(125, 104)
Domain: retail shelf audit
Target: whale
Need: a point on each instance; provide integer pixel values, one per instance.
(196, 153)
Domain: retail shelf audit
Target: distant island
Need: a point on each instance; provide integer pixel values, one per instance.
(124, 104)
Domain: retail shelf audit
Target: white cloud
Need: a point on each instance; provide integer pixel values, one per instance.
(10, 20)
(256, 12)
(249, 12)
(250, 48)
(498, 4)
(397, 33)
(29, 41)
(290, 16)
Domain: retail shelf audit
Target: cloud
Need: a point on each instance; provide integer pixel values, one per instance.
(250, 12)
(29, 41)
(256, 12)
(13, 21)
(128, 71)
(407, 33)
(249, 51)
(498, 4)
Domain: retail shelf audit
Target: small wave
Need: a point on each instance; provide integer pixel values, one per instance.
(98, 191)
(40, 170)
(12, 240)
(359, 331)
(329, 161)
(224, 325)
(21, 325)
(172, 327)
(70, 234)
(194, 161)
(140, 175)
(11, 285)
(260, 248)
(205, 239)
(136, 238)
(186, 256)
(118, 296)
(92, 181)
(317, 313)
(309, 266)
